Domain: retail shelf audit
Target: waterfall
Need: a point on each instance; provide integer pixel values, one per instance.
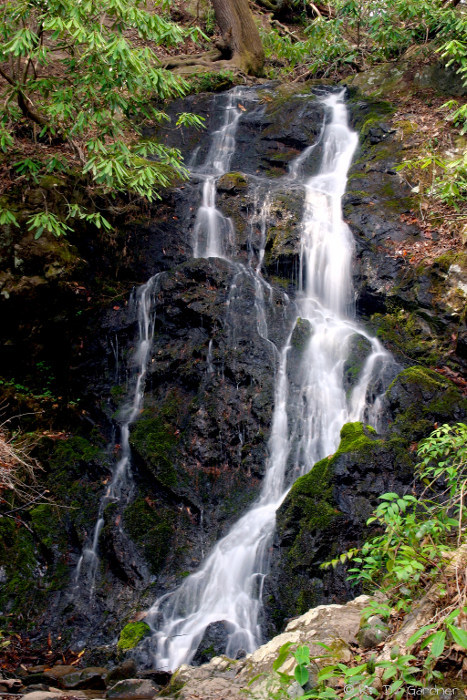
(308, 412)
(121, 482)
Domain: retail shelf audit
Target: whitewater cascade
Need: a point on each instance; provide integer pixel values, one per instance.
(308, 415)
(121, 481)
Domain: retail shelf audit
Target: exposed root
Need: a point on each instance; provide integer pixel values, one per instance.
(213, 61)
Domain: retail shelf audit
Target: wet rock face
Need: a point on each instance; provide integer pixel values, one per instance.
(199, 446)
(213, 643)
(416, 309)
(326, 511)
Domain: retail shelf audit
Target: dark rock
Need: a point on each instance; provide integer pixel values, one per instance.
(10, 685)
(87, 678)
(136, 688)
(359, 350)
(213, 643)
(126, 669)
(200, 443)
(159, 677)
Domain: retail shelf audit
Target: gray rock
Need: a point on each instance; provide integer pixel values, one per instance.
(41, 695)
(372, 633)
(295, 690)
(133, 688)
(10, 685)
(127, 669)
(213, 642)
(55, 693)
(90, 678)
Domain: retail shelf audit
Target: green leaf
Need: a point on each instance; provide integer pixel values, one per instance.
(418, 634)
(459, 635)
(282, 656)
(437, 645)
(301, 674)
(302, 655)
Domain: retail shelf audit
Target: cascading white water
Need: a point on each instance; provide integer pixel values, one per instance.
(213, 232)
(120, 483)
(306, 420)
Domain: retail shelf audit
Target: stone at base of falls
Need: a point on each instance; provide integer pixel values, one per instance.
(333, 625)
(127, 669)
(69, 678)
(49, 695)
(213, 643)
(133, 688)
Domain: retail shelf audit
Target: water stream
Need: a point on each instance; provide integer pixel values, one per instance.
(308, 411)
(120, 485)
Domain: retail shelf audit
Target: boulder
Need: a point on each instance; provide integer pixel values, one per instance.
(213, 642)
(133, 688)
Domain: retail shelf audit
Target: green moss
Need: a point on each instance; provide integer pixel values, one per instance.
(444, 261)
(280, 281)
(408, 334)
(211, 81)
(48, 526)
(421, 397)
(118, 391)
(154, 439)
(301, 334)
(274, 172)
(132, 634)
(232, 182)
(424, 378)
(71, 453)
(19, 593)
(356, 436)
(152, 531)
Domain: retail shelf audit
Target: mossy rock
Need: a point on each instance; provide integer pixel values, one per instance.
(152, 530)
(410, 334)
(324, 515)
(302, 334)
(232, 183)
(48, 526)
(311, 502)
(418, 398)
(132, 634)
(358, 352)
(19, 591)
(154, 440)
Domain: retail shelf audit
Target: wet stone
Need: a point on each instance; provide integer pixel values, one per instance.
(213, 643)
(133, 688)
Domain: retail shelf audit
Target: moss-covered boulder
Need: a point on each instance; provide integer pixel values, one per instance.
(132, 634)
(417, 399)
(232, 183)
(358, 352)
(326, 510)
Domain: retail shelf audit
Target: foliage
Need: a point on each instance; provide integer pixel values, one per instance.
(417, 530)
(362, 31)
(18, 484)
(83, 78)
(409, 554)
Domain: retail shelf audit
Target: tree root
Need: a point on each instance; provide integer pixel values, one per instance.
(208, 62)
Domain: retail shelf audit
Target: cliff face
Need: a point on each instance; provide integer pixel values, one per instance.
(199, 444)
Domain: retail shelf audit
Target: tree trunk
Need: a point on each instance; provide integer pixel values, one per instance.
(239, 31)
